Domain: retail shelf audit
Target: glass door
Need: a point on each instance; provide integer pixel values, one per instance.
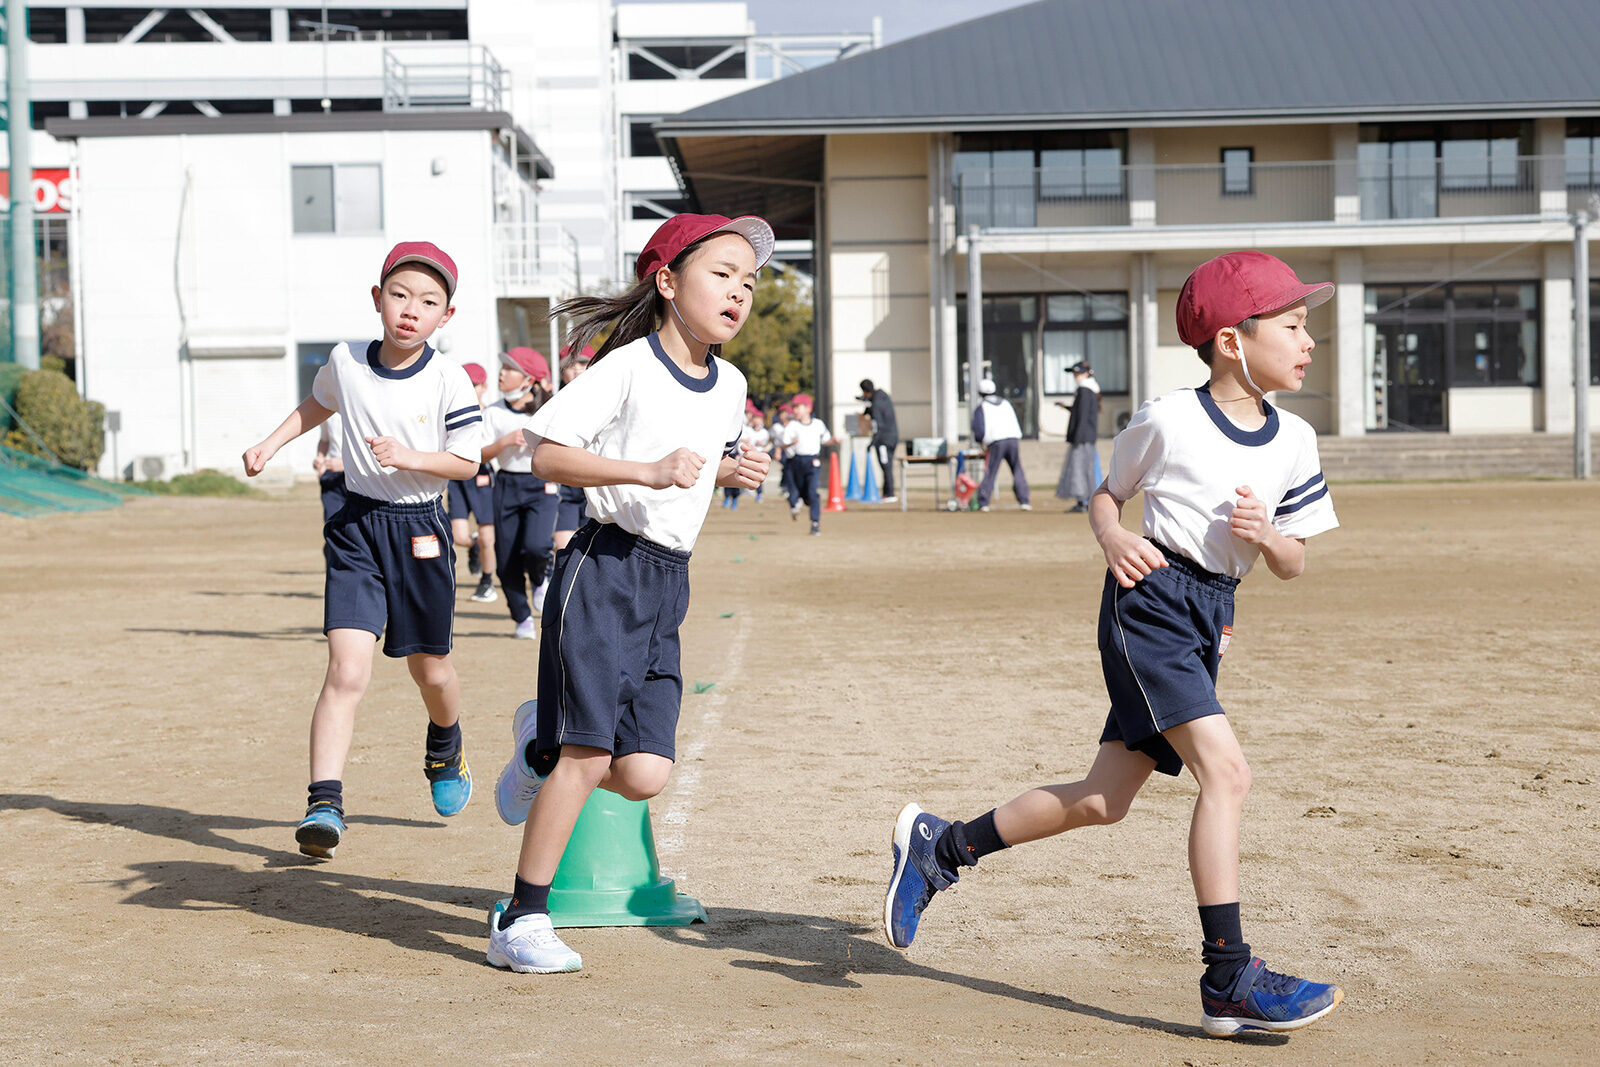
(1409, 375)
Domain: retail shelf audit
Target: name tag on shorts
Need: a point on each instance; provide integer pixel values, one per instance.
(1222, 645)
(425, 547)
(483, 479)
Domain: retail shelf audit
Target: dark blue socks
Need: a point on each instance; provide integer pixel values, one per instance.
(965, 843)
(328, 792)
(443, 741)
(1224, 951)
(526, 899)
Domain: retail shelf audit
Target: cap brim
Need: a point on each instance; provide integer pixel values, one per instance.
(754, 229)
(427, 261)
(1311, 295)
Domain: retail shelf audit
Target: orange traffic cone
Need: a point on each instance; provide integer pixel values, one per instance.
(835, 491)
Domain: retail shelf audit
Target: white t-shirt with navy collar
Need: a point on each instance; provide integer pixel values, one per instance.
(500, 419)
(636, 404)
(429, 406)
(1189, 459)
(805, 438)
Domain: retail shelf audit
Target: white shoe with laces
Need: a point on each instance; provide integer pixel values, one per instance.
(539, 592)
(518, 785)
(530, 946)
(526, 630)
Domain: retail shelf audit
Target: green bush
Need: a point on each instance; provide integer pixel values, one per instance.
(72, 428)
(206, 482)
(10, 376)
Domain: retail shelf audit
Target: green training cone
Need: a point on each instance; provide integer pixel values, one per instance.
(609, 875)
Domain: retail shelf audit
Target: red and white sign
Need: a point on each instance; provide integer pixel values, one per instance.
(52, 191)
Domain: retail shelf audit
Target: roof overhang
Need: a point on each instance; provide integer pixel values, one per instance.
(776, 177)
(496, 122)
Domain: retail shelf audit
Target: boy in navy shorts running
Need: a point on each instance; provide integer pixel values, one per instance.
(411, 423)
(1226, 478)
(650, 430)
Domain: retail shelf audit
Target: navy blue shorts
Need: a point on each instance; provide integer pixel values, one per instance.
(332, 493)
(476, 495)
(608, 652)
(391, 568)
(573, 508)
(1160, 644)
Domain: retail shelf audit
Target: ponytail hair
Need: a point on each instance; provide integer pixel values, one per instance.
(629, 316)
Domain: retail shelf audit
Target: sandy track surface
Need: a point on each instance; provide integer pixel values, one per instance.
(1419, 711)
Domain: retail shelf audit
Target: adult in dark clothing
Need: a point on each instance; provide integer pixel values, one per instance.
(885, 433)
(1077, 482)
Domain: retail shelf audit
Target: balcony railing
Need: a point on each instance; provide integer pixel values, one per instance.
(535, 259)
(1214, 194)
(444, 77)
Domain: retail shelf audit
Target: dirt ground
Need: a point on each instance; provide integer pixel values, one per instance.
(1419, 710)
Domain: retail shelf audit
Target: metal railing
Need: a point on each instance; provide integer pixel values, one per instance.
(535, 259)
(1316, 191)
(444, 77)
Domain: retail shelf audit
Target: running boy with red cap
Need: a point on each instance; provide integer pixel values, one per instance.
(1227, 478)
(524, 504)
(411, 423)
(650, 430)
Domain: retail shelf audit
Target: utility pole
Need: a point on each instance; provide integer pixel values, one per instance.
(974, 326)
(19, 128)
(1581, 460)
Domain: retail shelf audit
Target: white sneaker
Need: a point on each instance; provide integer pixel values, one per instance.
(526, 630)
(984, 508)
(1027, 507)
(538, 595)
(890, 500)
(517, 785)
(530, 946)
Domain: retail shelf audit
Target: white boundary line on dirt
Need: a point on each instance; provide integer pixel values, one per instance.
(670, 842)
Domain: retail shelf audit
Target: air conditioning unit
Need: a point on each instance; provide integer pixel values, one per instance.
(156, 467)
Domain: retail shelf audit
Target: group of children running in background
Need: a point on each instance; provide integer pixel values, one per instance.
(614, 473)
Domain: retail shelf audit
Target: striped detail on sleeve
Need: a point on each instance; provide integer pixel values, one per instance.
(731, 449)
(451, 422)
(1307, 492)
(474, 409)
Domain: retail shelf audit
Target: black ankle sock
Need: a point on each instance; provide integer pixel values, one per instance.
(1224, 950)
(526, 899)
(965, 843)
(329, 791)
(443, 741)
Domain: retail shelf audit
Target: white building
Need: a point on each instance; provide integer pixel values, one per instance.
(265, 156)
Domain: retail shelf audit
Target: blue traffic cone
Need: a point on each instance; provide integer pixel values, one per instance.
(1098, 477)
(869, 487)
(852, 489)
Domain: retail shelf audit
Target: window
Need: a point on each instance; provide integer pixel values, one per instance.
(1489, 330)
(341, 198)
(1002, 177)
(1086, 326)
(309, 359)
(656, 205)
(641, 138)
(1404, 167)
(1583, 153)
(1594, 333)
(665, 61)
(1238, 174)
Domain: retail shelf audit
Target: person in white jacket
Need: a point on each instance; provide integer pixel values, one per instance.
(995, 425)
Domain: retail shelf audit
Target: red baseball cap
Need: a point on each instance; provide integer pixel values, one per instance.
(426, 253)
(681, 231)
(802, 398)
(475, 373)
(1231, 288)
(529, 362)
(585, 355)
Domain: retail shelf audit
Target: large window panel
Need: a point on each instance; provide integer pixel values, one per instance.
(312, 189)
(358, 198)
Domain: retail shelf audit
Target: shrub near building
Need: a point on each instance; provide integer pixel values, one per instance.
(71, 428)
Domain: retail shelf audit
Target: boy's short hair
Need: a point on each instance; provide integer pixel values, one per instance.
(1207, 349)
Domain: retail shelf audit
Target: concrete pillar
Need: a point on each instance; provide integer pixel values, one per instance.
(1144, 314)
(1352, 373)
(1345, 137)
(1550, 179)
(280, 35)
(941, 222)
(1141, 178)
(1555, 313)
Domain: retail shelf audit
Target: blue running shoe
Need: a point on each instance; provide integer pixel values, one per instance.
(917, 876)
(320, 831)
(1259, 999)
(450, 782)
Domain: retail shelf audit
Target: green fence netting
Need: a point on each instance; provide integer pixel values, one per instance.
(32, 486)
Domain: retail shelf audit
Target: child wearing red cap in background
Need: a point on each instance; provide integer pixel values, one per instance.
(411, 423)
(805, 438)
(524, 504)
(475, 497)
(1227, 478)
(570, 511)
(650, 430)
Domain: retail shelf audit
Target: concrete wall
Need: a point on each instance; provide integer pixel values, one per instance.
(190, 237)
(877, 199)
